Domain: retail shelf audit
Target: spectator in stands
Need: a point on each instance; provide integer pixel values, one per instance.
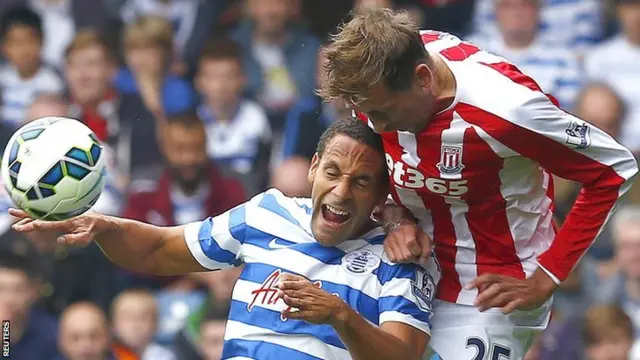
(309, 117)
(608, 333)
(84, 333)
(189, 341)
(555, 69)
(615, 63)
(575, 25)
(290, 177)
(279, 57)
(148, 50)
(212, 333)
(24, 75)
(33, 332)
(192, 187)
(624, 287)
(120, 121)
(134, 318)
(238, 131)
(192, 20)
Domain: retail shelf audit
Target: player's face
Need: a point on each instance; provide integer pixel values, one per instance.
(347, 184)
(22, 47)
(88, 73)
(186, 155)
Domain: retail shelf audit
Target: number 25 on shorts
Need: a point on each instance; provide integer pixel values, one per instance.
(498, 352)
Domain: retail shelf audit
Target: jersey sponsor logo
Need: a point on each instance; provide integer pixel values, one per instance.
(423, 287)
(273, 244)
(411, 178)
(267, 294)
(450, 160)
(360, 262)
(578, 135)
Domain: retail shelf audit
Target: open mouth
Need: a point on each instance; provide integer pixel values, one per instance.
(334, 215)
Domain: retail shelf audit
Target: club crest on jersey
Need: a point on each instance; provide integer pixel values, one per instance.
(360, 262)
(450, 160)
(578, 135)
(423, 287)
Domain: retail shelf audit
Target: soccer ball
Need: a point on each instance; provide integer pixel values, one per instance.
(53, 168)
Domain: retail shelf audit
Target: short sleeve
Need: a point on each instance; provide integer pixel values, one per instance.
(216, 242)
(407, 295)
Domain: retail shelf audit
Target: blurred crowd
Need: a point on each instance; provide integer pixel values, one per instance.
(204, 103)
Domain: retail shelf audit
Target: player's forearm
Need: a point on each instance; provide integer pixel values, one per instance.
(366, 342)
(138, 246)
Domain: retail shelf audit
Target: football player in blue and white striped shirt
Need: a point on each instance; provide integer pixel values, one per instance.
(316, 283)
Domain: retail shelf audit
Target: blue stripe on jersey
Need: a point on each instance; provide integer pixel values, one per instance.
(402, 305)
(388, 272)
(237, 223)
(210, 246)
(260, 316)
(270, 203)
(261, 350)
(366, 305)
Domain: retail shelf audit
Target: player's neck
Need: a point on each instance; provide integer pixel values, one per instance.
(445, 85)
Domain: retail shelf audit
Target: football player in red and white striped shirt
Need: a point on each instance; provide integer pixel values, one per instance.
(471, 143)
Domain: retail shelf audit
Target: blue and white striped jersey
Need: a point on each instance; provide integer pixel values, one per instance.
(271, 235)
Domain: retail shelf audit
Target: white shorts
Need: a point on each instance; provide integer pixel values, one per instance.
(461, 332)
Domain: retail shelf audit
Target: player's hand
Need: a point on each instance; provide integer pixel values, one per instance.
(406, 242)
(79, 230)
(510, 293)
(313, 304)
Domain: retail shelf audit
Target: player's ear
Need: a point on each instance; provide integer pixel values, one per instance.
(424, 76)
(313, 168)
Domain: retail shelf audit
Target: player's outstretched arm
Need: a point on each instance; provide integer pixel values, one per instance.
(131, 244)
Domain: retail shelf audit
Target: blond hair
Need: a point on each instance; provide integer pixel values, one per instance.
(599, 321)
(85, 39)
(378, 46)
(149, 31)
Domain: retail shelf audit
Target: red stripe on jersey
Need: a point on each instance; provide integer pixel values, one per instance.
(583, 223)
(460, 52)
(444, 234)
(513, 73)
(487, 217)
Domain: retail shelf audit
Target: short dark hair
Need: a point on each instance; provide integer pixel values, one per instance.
(20, 15)
(354, 128)
(188, 118)
(221, 48)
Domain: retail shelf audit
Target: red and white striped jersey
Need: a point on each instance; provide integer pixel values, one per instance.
(478, 176)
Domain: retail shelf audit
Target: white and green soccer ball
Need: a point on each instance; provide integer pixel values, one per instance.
(54, 168)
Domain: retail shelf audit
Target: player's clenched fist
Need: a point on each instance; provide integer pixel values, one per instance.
(314, 305)
(406, 242)
(79, 230)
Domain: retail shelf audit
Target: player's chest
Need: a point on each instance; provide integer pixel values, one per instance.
(447, 160)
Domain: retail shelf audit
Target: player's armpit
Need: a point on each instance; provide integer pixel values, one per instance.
(416, 340)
